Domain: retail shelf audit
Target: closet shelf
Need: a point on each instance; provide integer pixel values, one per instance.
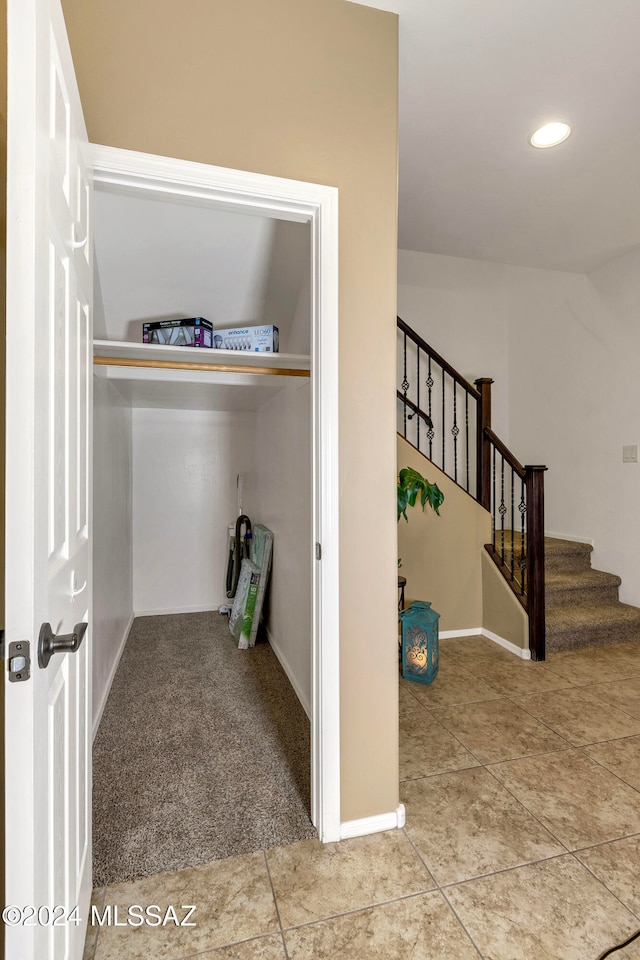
(161, 357)
(155, 375)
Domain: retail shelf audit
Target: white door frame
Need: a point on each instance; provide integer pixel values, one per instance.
(240, 191)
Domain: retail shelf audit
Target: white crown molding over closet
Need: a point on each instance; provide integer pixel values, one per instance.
(179, 387)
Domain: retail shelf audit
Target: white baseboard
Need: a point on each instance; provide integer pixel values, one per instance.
(284, 663)
(197, 608)
(524, 654)
(382, 821)
(112, 673)
(568, 536)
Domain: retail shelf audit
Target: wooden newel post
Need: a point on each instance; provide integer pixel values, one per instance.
(535, 560)
(483, 456)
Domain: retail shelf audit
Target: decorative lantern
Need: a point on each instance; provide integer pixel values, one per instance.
(419, 642)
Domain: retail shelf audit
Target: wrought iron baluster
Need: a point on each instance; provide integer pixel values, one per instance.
(405, 386)
(502, 508)
(522, 507)
(466, 435)
(418, 417)
(513, 526)
(444, 435)
(430, 430)
(455, 431)
(493, 499)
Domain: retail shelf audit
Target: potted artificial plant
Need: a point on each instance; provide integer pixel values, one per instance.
(410, 484)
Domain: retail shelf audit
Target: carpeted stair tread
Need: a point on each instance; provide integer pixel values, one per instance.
(580, 587)
(602, 613)
(582, 608)
(566, 554)
(585, 625)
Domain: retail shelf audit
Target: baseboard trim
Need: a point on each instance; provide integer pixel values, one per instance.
(167, 611)
(524, 654)
(382, 821)
(112, 673)
(569, 536)
(284, 663)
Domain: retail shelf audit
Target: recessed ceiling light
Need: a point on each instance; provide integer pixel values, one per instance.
(550, 134)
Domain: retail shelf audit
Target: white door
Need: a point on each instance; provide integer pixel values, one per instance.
(48, 524)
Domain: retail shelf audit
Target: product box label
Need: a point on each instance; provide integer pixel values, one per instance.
(259, 339)
(194, 332)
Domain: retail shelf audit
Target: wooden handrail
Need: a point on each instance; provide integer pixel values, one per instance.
(439, 360)
(506, 453)
(412, 406)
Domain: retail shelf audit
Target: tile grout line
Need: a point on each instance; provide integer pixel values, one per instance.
(602, 882)
(599, 704)
(442, 893)
(462, 924)
(362, 909)
(603, 766)
(525, 807)
(442, 887)
(544, 722)
(275, 903)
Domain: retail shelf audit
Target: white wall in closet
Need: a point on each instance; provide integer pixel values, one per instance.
(283, 485)
(112, 536)
(185, 464)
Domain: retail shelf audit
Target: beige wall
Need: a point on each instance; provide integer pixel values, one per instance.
(502, 614)
(307, 90)
(442, 555)
(444, 560)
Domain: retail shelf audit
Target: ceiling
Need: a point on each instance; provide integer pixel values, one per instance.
(477, 77)
(158, 260)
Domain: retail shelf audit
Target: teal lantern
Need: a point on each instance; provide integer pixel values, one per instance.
(419, 642)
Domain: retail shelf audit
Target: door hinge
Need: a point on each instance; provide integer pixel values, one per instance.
(1, 644)
(318, 551)
(19, 661)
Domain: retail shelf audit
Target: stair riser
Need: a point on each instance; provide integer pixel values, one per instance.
(566, 561)
(580, 596)
(569, 562)
(593, 637)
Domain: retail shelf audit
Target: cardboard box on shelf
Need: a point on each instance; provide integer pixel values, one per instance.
(194, 332)
(259, 339)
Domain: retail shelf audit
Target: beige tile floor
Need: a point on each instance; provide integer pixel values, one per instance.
(521, 783)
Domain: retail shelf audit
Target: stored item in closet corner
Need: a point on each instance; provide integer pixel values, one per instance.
(249, 599)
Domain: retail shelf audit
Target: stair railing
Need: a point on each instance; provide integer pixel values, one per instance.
(448, 419)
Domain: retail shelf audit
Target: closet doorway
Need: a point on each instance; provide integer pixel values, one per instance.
(149, 417)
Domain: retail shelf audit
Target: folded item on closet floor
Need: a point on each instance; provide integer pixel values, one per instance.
(254, 577)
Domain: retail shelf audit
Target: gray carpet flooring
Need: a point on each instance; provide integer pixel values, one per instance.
(202, 752)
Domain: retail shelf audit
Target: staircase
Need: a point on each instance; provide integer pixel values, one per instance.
(582, 607)
(448, 420)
